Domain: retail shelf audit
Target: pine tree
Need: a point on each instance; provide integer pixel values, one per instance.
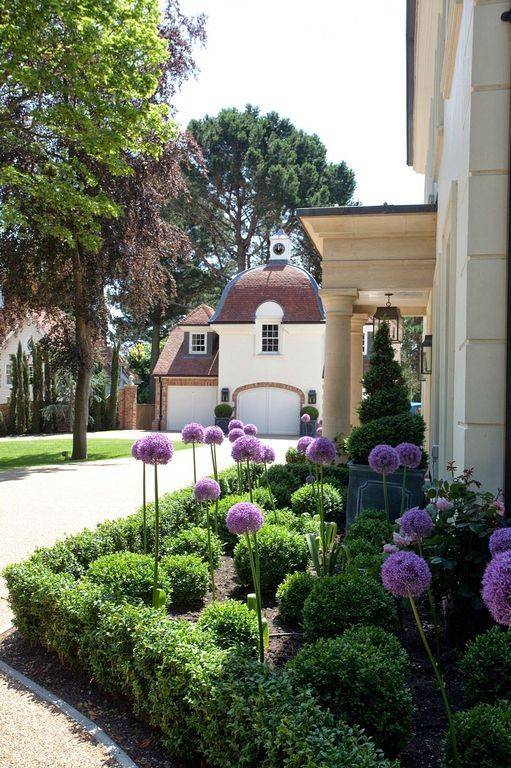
(114, 383)
(385, 386)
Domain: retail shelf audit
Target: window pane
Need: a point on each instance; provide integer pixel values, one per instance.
(198, 342)
(270, 338)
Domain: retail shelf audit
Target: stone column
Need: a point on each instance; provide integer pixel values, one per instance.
(357, 364)
(338, 304)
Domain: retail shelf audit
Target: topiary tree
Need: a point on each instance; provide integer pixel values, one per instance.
(384, 383)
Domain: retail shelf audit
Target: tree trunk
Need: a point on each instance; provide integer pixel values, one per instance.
(155, 352)
(81, 412)
(85, 358)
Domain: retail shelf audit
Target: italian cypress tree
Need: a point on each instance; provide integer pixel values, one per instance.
(19, 401)
(13, 399)
(114, 382)
(37, 386)
(386, 389)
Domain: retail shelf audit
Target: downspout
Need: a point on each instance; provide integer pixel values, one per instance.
(507, 435)
(160, 414)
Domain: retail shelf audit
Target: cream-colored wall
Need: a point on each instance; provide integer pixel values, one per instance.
(300, 363)
(9, 348)
(468, 313)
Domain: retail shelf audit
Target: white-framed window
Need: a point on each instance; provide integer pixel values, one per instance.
(8, 374)
(270, 338)
(198, 345)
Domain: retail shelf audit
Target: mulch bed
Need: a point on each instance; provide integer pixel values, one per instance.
(141, 743)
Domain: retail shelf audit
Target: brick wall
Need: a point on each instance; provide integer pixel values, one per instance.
(127, 412)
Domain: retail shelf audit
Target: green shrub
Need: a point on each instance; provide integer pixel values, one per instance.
(292, 594)
(337, 603)
(127, 575)
(280, 551)
(262, 498)
(311, 410)
(361, 676)
(188, 576)
(232, 625)
(371, 526)
(486, 667)
(483, 736)
(75, 611)
(194, 541)
(293, 456)
(303, 501)
(392, 430)
(223, 411)
(284, 482)
(300, 523)
(363, 555)
(387, 392)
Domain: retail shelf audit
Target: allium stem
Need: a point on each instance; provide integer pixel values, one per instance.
(144, 510)
(321, 512)
(403, 489)
(210, 555)
(386, 497)
(434, 615)
(156, 537)
(238, 466)
(272, 500)
(194, 463)
(439, 680)
(215, 474)
(253, 554)
(249, 478)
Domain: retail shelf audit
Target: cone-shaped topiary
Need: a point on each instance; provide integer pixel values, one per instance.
(386, 390)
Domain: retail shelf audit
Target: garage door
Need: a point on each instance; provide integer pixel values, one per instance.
(274, 411)
(185, 404)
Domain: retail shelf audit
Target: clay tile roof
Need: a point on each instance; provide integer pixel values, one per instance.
(292, 287)
(175, 360)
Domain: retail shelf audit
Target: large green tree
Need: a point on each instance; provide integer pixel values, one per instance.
(84, 122)
(259, 169)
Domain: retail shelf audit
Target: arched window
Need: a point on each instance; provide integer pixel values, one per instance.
(269, 316)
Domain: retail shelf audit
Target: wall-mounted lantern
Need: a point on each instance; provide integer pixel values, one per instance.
(392, 316)
(312, 397)
(224, 395)
(427, 354)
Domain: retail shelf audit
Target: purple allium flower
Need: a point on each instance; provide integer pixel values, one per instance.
(213, 436)
(402, 541)
(410, 455)
(319, 422)
(193, 433)
(384, 459)
(134, 449)
(244, 517)
(500, 541)
(235, 433)
(305, 418)
(496, 590)
(246, 448)
(267, 454)
(417, 523)
(250, 429)
(207, 489)
(235, 424)
(499, 506)
(443, 504)
(303, 443)
(321, 451)
(319, 431)
(155, 449)
(405, 573)
(390, 549)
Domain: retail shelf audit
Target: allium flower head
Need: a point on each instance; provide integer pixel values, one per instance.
(499, 506)
(319, 431)
(193, 433)
(134, 449)
(305, 418)
(321, 451)
(443, 504)
(405, 573)
(244, 517)
(402, 541)
(267, 454)
(235, 424)
(496, 590)
(155, 449)
(246, 448)
(207, 489)
(213, 436)
(235, 433)
(417, 523)
(410, 455)
(250, 429)
(500, 541)
(384, 459)
(303, 443)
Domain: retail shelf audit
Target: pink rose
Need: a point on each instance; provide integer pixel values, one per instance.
(499, 506)
(443, 505)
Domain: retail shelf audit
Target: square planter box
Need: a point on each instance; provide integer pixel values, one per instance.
(223, 423)
(308, 428)
(365, 490)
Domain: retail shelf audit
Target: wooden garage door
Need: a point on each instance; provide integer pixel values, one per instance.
(186, 404)
(274, 411)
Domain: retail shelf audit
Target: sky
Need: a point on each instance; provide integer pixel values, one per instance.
(333, 67)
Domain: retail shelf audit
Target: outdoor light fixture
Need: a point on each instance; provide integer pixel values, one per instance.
(224, 397)
(426, 354)
(312, 397)
(392, 316)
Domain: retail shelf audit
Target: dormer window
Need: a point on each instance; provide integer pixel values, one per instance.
(268, 328)
(198, 344)
(270, 337)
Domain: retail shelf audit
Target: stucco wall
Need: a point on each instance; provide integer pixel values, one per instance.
(9, 348)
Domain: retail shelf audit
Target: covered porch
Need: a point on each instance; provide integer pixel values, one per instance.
(366, 252)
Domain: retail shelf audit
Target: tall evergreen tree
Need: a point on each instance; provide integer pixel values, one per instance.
(385, 386)
(37, 386)
(114, 384)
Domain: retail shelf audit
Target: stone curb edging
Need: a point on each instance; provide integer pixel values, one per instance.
(94, 731)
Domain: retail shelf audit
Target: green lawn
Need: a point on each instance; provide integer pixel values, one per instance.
(49, 450)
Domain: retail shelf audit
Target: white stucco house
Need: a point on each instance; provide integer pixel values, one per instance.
(32, 329)
(261, 350)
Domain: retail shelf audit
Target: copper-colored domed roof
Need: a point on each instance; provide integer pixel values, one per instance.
(292, 287)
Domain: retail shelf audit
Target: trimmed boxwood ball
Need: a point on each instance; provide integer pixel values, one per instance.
(194, 541)
(303, 501)
(361, 677)
(262, 497)
(223, 410)
(300, 523)
(280, 551)
(232, 625)
(389, 430)
(337, 603)
(371, 526)
(127, 575)
(483, 736)
(292, 594)
(486, 666)
(284, 482)
(295, 457)
(189, 578)
(311, 410)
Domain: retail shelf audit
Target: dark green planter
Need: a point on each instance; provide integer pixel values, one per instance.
(365, 490)
(223, 423)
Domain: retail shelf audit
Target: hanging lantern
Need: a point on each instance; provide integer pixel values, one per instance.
(427, 355)
(392, 316)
